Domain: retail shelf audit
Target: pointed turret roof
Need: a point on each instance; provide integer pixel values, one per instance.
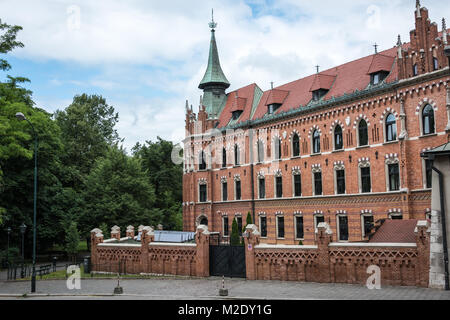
(214, 73)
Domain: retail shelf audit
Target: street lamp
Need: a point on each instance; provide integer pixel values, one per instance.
(20, 116)
(23, 227)
(7, 248)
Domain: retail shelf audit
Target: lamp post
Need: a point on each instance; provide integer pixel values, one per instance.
(7, 248)
(20, 116)
(23, 227)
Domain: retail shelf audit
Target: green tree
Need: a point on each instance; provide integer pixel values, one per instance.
(234, 239)
(117, 191)
(8, 42)
(88, 131)
(166, 177)
(72, 239)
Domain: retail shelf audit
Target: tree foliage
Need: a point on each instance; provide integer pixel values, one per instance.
(234, 238)
(72, 239)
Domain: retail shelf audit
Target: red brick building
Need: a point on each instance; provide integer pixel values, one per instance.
(341, 146)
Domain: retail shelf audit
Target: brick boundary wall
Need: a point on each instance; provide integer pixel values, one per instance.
(401, 264)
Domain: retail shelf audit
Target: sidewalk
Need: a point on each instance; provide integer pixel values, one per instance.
(169, 289)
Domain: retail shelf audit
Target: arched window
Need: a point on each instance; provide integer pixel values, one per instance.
(338, 144)
(295, 145)
(201, 161)
(260, 151)
(316, 141)
(391, 128)
(236, 155)
(435, 63)
(277, 147)
(428, 120)
(224, 158)
(415, 70)
(363, 134)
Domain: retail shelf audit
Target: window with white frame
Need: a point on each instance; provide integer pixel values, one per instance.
(236, 155)
(367, 224)
(317, 180)
(263, 226)
(260, 151)
(278, 185)
(363, 134)
(202, 192)
(226, 226)
(262, 187)
(318, 218)
(428, 174)
(339, 177)
(299, 227)
(280, 226)
(393, 174)
(427, 121)
(342, 226)
(297, 183)
(277, 148)
(224, 190)
(295, 145)
(237, 189)
(338, 141)
(202, 161)
(390, 128)
(316, 142)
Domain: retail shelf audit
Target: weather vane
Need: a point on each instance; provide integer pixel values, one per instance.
(212, 24)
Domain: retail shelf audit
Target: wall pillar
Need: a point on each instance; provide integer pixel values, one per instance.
(130, 232)
(96, 238)
(202, 256)
(147, 236)
(251, 240)
(323, 237)
(447, 128)
(422, 232)
(115, 233)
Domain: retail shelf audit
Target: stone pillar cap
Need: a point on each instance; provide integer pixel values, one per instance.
(203, 229)
(148, 229)
(253, 229)
(115, 228)
(96, 230)
(326, 226)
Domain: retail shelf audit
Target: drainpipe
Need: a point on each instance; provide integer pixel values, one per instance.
(251, 172)
(443, 222)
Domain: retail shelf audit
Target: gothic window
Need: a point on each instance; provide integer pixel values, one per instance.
(202, 193)
(262, 188)
(363, 133)
(280, 227)
(263, 226)
(297, 185)
(340, 181)
(317, 183)
(365, 180)
(367, 224)
(428, 120)
(318, 218)
(260, 151)
(279, 187)
(236, 155)
(428, 174)
(238, 189)
(295, 145)
(277, 148)
(342, 221)
(391, 128)
(435, 63)
(225, 227)
(224, 157)
(224, 191)
(338, 143)
(415, 70)
(394, 177)
(316, 141)
(239, 224)
(299, 232)
(202, 161)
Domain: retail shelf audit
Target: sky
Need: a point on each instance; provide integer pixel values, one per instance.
(146, 57)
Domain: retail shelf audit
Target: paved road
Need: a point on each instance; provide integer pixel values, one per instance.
(169, 289)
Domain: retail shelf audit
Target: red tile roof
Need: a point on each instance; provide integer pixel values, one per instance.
(276, 96)
(245, 93)
(322, 81)
(381, 62)
(396, 231)
(238, 104)
(343, 79)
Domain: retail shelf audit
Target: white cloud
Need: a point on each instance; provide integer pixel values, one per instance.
(162, 46)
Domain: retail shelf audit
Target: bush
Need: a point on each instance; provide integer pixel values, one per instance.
(11, 256)
(234, 239)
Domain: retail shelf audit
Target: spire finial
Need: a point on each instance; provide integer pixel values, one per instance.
(212, 24)
(376, 48)
(271, 85)
(399, 41)
(187, 105)
(418, 8)
(317, 68)
(444, 26)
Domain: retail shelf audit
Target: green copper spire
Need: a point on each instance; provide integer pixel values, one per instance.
(214, 74)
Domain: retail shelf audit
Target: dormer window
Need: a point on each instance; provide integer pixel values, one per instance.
(378, 77)
(236, 114)
(271, 108)
(319, 94)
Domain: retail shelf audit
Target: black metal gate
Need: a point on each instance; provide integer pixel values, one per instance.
(227, 260)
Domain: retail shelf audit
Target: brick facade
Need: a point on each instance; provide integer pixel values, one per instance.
(401, 95)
